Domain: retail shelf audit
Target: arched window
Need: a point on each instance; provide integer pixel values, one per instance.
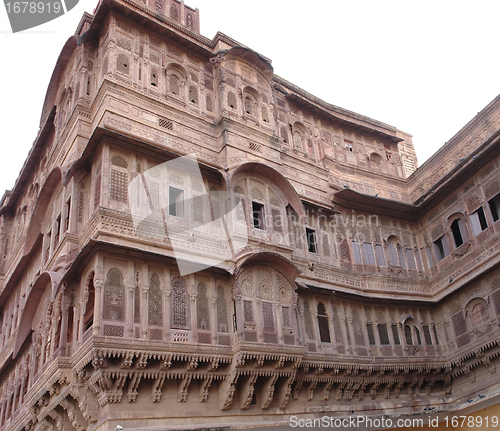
(479, 314)
(179, 304)
(408, 335)
(297, 141)
(324, 330)
(155, 300)
(265, 115)
(458, 231)
(114, 294)
(221, 310)
(88, 317)
(193, 94)
(308, 322)
(209, 104)
(174, 85)
(231, 100)
(248, 105)
(202, 308)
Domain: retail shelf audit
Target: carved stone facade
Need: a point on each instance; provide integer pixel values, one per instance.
(365, 284)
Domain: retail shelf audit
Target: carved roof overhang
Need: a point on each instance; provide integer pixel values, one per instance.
(375, 204)
(101, 133)
(341, 116)
(275, 177)
(270, 258)
(32, 302)
(31, 163)
(252, 57)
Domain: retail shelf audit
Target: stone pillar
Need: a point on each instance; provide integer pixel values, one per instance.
(212, 292)
(64, 327)
(239, 314)
(98, 309)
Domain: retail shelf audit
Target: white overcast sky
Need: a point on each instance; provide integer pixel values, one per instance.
(425, 67)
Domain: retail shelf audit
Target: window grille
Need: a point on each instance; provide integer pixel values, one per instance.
(179, 303)
(155, 301)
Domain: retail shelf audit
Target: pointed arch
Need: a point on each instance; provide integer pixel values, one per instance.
(53, 279)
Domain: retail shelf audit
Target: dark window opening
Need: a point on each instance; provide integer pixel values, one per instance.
(441, 248)
(495, 207)
(57, 230)
(258, 216)
(324, 331)
(478, 221)
(371, 334)
(68, 211)
(175, 202)
(427, 335)
(436, 335)
(395, 334)
(417, 333)
(311, 240)
(408, 337)
(88, 318)
(457, 234)
(383, 334)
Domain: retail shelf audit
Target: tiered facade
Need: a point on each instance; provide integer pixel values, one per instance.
(361, 284)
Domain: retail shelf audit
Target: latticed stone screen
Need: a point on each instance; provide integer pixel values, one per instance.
(268, 314)
(221, 310)
(395, 334)
(359, 338)
(202, 308)
(459, 324)
(113, 330)
(118, 186)
(114, 293)
(248, 311)
(179, 303)
(155, 299)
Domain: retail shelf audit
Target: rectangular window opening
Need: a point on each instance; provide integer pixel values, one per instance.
(259, 216)
(495, 207)
(441, 248)
(478, 221)
(395, 334)
(175, 202)
(311, 240)
(356, 251)
(68, 212)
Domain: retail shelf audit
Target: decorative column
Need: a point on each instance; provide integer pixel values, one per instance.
(213, 309)
(64, 327)
(98, 310)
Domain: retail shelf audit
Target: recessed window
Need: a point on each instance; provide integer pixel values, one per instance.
(259, 216)
(427, 335)
(459, 232)
(441, 248)
(311, 240)
(324, 331)
(175, 202)
(379, 251)
(478, 221)
(356, 252)
(383, 334)
(368, 255)
(395, 334)
(371, 334)
(408, 337)
(479, 314)
(495, 207)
